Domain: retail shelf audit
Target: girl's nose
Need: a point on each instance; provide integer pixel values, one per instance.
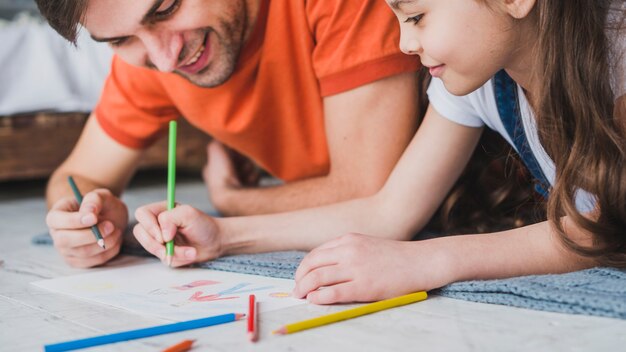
(410, 46)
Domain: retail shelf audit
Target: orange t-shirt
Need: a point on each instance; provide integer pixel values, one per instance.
(271, 108)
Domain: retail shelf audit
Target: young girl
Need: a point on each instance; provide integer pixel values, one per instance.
(548, 75)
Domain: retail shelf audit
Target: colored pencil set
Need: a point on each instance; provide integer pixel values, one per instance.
(252, 326)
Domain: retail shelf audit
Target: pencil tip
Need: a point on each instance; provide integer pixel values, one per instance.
(239, 316)
(101, 244)
(168, 259)
(253, 336)
(281, 331)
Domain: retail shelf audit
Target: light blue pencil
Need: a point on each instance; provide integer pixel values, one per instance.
(141, 333)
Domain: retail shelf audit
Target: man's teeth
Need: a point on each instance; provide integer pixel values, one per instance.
(196, 57)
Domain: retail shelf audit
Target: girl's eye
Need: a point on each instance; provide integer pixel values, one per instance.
(414, 19)
(167, 8)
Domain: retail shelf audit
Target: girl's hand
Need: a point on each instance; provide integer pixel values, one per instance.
(196, 235)
(358, 268)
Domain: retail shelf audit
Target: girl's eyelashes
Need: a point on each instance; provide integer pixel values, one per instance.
(414, 19)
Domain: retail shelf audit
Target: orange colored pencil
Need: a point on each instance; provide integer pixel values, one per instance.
(182, 346)
(253, 329)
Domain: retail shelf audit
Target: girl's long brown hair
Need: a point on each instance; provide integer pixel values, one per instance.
(494, 193)
(580, 125)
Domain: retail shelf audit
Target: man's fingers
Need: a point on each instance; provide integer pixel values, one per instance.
(98, 259)
(85, 252)
(68, 239)
(93, 202)
(64, 214)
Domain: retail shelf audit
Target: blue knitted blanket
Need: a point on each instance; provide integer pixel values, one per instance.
(597, 291)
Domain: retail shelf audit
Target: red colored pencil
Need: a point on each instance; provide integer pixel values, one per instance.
(180, 347)
(253, 329)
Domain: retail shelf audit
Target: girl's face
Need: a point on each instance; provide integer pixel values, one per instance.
(463, 42)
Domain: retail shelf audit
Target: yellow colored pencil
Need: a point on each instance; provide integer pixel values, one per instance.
(352, 313)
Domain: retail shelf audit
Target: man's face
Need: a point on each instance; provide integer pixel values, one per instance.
(196, 39)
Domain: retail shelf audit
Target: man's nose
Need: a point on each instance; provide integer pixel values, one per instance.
(163, 49)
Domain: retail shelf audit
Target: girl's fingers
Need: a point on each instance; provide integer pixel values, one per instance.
(148, 242)
(177, 219)
(316, 258)
(320, 277)
(147, 216)
(338, 293)
(325, 254)
(183, 256)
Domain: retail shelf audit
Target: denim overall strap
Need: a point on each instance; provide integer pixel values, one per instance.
(508, 107)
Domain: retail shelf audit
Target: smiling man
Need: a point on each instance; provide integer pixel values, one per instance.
(315, 92)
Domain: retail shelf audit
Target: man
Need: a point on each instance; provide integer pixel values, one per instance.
(296, 86)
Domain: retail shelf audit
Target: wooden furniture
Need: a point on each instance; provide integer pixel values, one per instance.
(33, 145)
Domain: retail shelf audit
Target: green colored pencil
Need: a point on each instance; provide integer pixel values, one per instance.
(79, 198)
(171, 184)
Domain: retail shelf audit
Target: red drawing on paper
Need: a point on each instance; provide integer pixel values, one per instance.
(198, 297)
(193, 284)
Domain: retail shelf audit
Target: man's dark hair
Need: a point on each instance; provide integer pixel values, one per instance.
(64, 16)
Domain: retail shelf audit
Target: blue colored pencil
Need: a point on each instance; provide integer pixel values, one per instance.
(141, 333)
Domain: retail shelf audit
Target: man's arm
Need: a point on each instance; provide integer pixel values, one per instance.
(97, 161)
(367, 130)
(101, 168)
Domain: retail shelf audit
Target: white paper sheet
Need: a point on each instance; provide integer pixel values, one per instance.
(175, 294)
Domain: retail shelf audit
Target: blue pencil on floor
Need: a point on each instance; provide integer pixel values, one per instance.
(141, 333)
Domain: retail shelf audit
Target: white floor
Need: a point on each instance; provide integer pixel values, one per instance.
(31, 317)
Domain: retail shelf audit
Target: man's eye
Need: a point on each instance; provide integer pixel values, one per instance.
(414, 19)
(117, 42)
(167, 8)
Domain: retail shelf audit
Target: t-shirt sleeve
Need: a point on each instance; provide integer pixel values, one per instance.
(357, 42)
(454, 108)
(134, 109)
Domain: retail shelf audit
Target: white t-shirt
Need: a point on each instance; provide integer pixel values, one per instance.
(479, 108)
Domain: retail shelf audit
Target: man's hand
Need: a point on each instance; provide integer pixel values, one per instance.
(225, 172)
(70, 227)
(358, 268)
(196, 235)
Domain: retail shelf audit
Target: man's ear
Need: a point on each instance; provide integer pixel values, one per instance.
(520, 8)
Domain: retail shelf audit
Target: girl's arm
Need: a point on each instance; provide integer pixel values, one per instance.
(418, 184)
(533, 249)
(364, 268)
